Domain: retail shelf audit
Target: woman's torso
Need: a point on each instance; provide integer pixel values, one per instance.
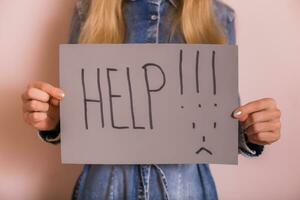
(148, 21)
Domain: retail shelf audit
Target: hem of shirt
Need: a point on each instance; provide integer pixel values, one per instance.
(47, 139)
(50, 136)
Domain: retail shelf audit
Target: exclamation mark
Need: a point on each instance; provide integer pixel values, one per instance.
(214, 72)
(180, 72)
(197, 72)
(214, 79)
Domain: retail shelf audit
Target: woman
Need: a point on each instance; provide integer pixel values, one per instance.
(151, 21)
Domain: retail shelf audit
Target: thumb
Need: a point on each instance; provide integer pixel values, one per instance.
(240, 114)
(51, 90)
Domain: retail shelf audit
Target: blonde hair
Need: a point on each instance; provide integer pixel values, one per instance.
(195, 18)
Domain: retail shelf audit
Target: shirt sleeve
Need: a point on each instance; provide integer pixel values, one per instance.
(51, 136)
(246, 148)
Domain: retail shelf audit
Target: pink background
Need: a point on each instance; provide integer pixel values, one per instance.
(269, 44)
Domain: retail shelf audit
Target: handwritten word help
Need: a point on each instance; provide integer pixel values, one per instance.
(146, 68)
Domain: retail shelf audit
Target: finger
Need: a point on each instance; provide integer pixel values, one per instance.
(264, 137)
(35, 106)
(41, 126)
(262, 116)
(256, 128)
(36, 116)
(51, 90)
(262, 104)
(35, 94)
(54, 101)
(254, 141)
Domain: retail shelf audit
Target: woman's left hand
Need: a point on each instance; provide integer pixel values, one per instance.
(261, 120)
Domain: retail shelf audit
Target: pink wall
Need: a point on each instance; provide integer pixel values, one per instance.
(269, 43)
(30, 32)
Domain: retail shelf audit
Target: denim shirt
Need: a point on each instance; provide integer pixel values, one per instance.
(149, 21)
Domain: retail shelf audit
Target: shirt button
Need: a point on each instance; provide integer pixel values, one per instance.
(154, 17)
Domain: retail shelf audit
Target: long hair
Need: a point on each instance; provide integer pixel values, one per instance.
(195, 18)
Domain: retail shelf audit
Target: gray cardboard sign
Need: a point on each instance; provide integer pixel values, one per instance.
(149, 103)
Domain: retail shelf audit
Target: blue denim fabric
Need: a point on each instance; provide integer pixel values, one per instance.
(150, 21)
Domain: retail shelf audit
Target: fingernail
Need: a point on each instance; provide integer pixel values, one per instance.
(237, 113)
(62, 95)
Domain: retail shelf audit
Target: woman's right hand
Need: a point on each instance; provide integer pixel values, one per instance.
(41, 105)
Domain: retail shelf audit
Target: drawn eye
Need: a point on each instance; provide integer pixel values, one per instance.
(194, 125)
